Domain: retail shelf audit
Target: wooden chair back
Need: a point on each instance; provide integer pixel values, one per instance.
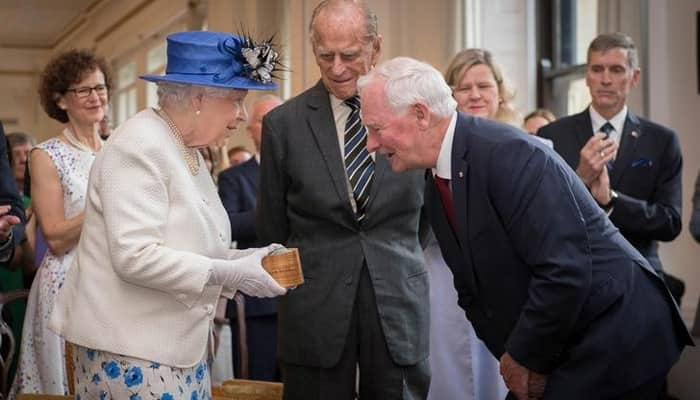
(244, 389)
(37, 396)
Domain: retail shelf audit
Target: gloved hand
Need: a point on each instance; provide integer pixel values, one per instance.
(247, 274)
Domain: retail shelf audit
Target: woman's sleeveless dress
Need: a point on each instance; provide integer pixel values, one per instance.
(41, 367)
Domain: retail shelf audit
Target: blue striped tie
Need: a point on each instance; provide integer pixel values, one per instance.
(358, 162)
(608, 129)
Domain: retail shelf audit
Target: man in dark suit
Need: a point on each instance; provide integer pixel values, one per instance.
(569, 307)
(238, 189)
(355, 222)
(631, 165)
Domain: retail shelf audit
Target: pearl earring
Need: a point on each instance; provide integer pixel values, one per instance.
(197, 112)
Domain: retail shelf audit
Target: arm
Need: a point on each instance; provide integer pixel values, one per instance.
(232, 196)
(659, 216)
(272, 222)
(61, 233)
(131, 184)
(537, 200)
(695, 216)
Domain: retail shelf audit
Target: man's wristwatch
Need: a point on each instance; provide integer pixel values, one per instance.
(611, 202)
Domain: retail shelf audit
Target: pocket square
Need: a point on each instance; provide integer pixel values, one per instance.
(642, 162)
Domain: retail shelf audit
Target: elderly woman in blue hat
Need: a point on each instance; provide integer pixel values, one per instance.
(154, 256)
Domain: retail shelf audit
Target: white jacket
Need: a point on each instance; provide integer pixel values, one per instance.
(138, 284)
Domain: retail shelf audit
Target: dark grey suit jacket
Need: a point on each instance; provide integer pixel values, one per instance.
(646, 175)
(304, 202)
(543, 274)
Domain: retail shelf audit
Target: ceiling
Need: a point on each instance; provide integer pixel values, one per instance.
(39, 24)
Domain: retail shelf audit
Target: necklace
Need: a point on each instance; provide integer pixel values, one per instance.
(190, 155)
(75, 142)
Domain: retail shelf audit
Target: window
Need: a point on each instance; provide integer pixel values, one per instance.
(568, 26)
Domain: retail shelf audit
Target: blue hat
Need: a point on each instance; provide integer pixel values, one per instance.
(220, 60)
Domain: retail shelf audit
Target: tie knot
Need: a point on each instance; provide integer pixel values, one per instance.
(353, 102)
(607, 128)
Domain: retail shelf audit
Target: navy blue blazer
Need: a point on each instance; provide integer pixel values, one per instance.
(238, 189)
(9, 195)
(543, 274)
(646, 175)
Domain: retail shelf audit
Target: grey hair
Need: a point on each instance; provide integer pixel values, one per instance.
(409, 81)
(370, 18)
(616, 40)
(178, 95)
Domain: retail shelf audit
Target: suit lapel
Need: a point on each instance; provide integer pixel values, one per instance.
(631, 132)
(381, 166)
(583, 129)
(324, 132)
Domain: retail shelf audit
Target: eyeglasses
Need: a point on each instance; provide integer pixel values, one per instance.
(86, 91)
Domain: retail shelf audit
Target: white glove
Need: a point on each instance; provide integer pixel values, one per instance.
(247, 275)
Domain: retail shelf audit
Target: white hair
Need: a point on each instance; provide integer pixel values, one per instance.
(409, 81)
(178, 95)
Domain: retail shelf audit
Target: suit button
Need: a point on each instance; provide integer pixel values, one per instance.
(209, 309)
(348, 280)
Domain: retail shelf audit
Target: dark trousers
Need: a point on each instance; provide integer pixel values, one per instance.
(380, 377)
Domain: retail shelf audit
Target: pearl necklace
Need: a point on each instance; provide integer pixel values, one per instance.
(73, 140)
(190, 154)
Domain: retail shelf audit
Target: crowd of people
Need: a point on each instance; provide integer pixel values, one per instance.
(451, 248)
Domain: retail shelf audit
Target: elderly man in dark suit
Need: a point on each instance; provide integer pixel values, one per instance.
(631, 166)
(356, 223)
(238, 189)
(569, 307)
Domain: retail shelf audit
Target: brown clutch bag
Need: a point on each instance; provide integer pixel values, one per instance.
(284, 265)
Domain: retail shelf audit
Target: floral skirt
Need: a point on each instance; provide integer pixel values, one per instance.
(100, 375)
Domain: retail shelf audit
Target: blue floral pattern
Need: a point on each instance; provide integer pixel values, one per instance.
(107, 376)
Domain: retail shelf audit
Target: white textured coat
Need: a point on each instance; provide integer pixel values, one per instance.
(138, 286)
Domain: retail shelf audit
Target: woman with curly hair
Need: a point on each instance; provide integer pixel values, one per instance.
(74, 90)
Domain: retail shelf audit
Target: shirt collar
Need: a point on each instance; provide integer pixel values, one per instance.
(617, 121)
(443, 167)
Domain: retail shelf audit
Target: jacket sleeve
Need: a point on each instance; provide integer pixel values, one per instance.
(695, 216)
(534, 198)
(136, 201)
(9, 195)
(272, 223)
(658, 217)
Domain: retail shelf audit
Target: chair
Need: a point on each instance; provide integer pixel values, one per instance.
(6, 360)
(244, 389)
(242, 335)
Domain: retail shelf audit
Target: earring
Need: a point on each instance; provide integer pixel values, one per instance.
(197, 112)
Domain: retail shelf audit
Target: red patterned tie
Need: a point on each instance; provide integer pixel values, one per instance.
(443, 186)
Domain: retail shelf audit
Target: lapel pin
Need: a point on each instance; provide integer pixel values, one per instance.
(635, 134)
(461, 174)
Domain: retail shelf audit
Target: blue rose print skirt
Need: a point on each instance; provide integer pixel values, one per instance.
(100, 375)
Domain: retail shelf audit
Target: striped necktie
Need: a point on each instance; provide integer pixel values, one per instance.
(358, 162)
(608, 129)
